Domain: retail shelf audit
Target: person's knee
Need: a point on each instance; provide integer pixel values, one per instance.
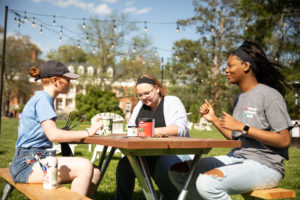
(207, 183)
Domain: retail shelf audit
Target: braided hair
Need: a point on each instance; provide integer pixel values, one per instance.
(267, 72)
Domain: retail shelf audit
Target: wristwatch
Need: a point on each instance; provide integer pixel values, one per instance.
(245, 129)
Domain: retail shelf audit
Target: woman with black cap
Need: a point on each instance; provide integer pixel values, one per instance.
(37, 131)
(170, 120)
(260, 121)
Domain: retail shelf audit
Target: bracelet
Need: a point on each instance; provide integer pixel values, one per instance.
(87, 130)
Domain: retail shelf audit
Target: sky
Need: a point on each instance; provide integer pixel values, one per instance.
(160, 15)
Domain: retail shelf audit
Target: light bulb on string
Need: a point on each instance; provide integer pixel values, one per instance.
(53, 22)
(94, 50)
(61, 32)
(177, 28)
(83, 24)
(134, 50)
(155, 53)
(145, 28)
(246, 27)
(19, 21)
(87, 37)
(176, 57)
(112, 45)
(33, 22)
(60, 38)
(115, 27)
(41, 30)
(15, 20)
(25, 17)
(195, 59)
(290, 61)
(78, 45)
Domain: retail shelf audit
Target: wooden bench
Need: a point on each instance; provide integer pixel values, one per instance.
(272, 193)
(36, 191)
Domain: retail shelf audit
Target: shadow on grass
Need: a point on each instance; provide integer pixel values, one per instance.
(2, 152)
(111, 195)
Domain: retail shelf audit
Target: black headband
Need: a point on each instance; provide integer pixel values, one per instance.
(145, 80)
(244, 56)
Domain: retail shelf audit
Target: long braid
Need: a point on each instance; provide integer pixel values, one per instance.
(268, 72)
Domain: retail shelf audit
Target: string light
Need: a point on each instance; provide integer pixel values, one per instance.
(112, 44)
(83, 24)
(61, 32)
(33, 22)
(59, 39)
(78, 45)
(134, 50)
(246, 26)
(155, 53)
(87, 37)
(41, 30)
(177, 29)
(25, 17)
(19, 21)
(94, 50)
(53, 22)
(115, 27)
(145, 28)
(15, 20)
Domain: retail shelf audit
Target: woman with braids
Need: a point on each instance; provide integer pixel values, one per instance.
(170, 119)
(37, 131)
(260, 121)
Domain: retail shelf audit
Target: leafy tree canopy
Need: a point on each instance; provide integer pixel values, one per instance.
(97, 101)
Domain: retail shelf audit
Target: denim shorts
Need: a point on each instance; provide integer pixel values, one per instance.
(21, 166)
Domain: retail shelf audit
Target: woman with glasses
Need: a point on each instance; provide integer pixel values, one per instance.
(170, 119)
(37, 131)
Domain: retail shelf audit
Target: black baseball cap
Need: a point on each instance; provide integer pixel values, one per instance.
(55, 68)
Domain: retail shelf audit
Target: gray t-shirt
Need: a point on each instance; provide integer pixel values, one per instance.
(264, 108)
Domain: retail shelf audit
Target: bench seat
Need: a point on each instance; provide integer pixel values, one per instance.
(36, 191)
(272, 193)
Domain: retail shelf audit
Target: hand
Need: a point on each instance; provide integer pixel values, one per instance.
(94, 128)
(230, 123)
(207, 111)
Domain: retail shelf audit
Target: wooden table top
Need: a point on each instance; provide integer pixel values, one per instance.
(119, 141)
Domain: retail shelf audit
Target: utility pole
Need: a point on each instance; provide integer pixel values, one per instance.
(3, 63)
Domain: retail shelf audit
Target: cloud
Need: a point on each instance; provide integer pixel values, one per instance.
(136, 11)
(129, 3)
(101, 9)
(110, 1)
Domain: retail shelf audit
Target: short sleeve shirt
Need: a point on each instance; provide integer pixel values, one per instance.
(264, 108)
(38, 109)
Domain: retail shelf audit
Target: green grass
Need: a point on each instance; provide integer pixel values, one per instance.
(106, 190)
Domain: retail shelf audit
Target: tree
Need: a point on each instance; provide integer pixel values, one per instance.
(97, 101)
(18, 60)
(68, 54)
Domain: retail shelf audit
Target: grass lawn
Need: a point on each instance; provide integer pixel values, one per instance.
(106, 190)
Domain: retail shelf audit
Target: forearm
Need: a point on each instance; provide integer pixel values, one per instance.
(67, 136)
(225, 132)
(280, 140)
(168, 130)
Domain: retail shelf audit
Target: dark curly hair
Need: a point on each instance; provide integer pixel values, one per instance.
(268, 72)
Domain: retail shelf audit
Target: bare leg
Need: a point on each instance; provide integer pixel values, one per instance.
(80, 171)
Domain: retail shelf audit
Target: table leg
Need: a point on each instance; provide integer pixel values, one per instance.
(146, 173)
(184, 190)
(107, 161)
(142, 178)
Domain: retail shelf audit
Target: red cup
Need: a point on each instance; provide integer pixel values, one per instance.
(146, 127)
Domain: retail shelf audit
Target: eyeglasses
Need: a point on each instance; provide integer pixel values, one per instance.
(146, 94)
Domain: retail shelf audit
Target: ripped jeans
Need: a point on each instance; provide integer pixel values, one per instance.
(240, 176)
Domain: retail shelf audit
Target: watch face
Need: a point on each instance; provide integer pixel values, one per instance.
(245, 129)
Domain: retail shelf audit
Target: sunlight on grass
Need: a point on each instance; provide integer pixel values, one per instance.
(106, 190)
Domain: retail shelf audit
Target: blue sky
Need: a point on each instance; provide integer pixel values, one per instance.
(155, 12)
